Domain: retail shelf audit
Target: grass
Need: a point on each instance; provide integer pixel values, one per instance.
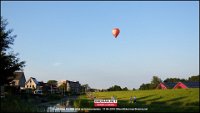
(83, 102)
(14, 103)
(26, 102)
(171, 100)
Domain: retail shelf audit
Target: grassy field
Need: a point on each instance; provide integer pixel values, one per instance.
(178, 100)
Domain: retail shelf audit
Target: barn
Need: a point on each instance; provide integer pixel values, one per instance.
(178, 85)
(161, 86)
(167, 85)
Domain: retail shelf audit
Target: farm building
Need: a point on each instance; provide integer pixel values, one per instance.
(178, 85)
(167, 85)
(161, 86)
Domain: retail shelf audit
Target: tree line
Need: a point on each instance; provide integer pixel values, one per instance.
(117, 88)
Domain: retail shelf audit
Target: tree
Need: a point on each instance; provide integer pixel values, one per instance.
(52, 82)
(175, 80)
(125, 89)
(155, 81)
(145, 86)
(9, 63)
(115, 88)
(194, 78)
(63, 88)
(85, 88)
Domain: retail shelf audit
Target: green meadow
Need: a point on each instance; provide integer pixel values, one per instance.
(170, 100)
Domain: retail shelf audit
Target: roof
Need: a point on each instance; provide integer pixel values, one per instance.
(170, 84)
(188, 84)
(72, 81)
(40, 83)
(34, 79)
(18, 75)
(161, 86)
(180, 85)
(191, 84)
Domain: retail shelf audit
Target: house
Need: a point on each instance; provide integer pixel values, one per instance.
(178, 85)
(19, 80)
(166, 85)
(73, 87)
(32, 83)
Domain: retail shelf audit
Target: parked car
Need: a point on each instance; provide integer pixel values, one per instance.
(39, 92)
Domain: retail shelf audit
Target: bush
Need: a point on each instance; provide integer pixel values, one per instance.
(54, 97)
(83, 103)
(15, 103)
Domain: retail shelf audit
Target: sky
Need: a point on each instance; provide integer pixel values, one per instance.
(74, 41)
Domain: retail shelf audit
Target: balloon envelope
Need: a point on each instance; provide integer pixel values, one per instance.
(115, 32)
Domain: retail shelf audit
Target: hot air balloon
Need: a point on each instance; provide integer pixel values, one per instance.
(115, 32)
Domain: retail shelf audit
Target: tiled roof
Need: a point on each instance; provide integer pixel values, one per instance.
(169, 84)
(192, 84)
(34, 79)
(18, 75)
(188, 84)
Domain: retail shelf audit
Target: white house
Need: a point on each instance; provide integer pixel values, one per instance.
(32, 83)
